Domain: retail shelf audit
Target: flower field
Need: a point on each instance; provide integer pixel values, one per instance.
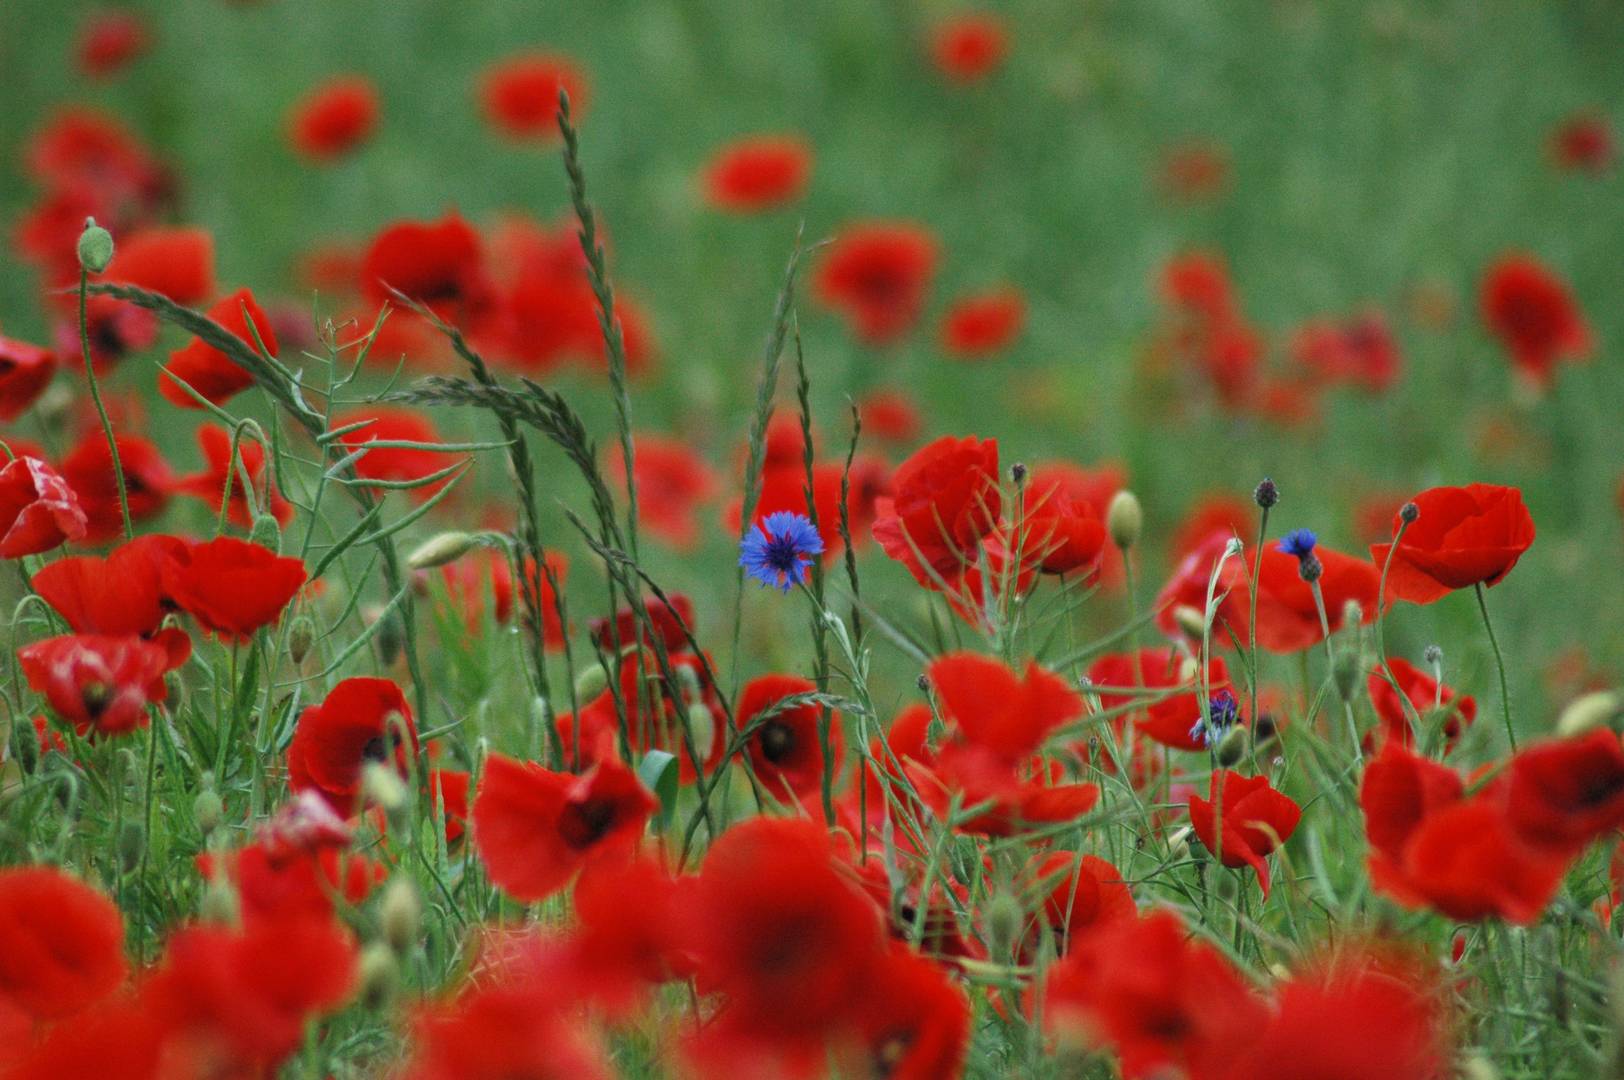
(870, 540)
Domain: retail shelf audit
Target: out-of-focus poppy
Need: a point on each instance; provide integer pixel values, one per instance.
(889, 415)
(108, 41)
(38, 510)
(758, 173)
(394, 463)
(207, 370)
(1533, 313)
(976, 327)
(88, 469)
(220, 468)
(1583, 143)
(1287, 614)
(969, 47)
(97, 683)
(361, 720)
(1080, 894)
(1170, 718)
(673, 480)
(876, 275)
(334, 118)
(1421, 690)
(25, 372)
(440, 264)
(786, 747)
(1361, 351)
(1464, 536)
(520, 94)
(61, 943)
(232, 587)
(1561, 794)
(177, 261)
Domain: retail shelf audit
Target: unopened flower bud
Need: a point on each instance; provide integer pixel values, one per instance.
(1310, 568)
(1002, 919)
(1017, 472)
(301, 636)
(1408, 513)
(591, 682)
(1232, 747)
(391, 639)
(1189, 620)
(1587, 713)
(219, 904)
(1124, 519)
(377, 976)
(1478, 1067)
(132, 841)
(702, 727)
(400, 915)
(267, 532)
(1345, 672)
(383, 787)
(440, 549)
(1353, 612)
(208, 811)
(95, 247)
(1266, 494)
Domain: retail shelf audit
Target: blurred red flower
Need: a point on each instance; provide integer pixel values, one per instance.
(440, 264)
(362, 720)
(1118, 676)
(232, 587)
(38, 510)
(1287, 615)
(758, 173)
(535, 828)
(785, 748)
(876, 275)
(889, 415)
(969, 47)
(211, 372)
(1421, 690)
(210, 484)
(394, 463)
(108, 41)
(97, 683)
(88, 469)
(1464, 536)
(1081, 894)
(25, 372)
(1361, 351)
(1059, 533)
(175, 260)
(1583, 142)
(673, 480)
(61, 943)
(977, 326)
(913, 1021)
(520, 94)
(1535, 316)
(334, 118)
(944, 500)
(1562, 794)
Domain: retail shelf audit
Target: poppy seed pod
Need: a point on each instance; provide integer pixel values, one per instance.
(95, 247)
(377, 975)
(440, 549)
(1003, 918)
(1124, 519)
(219, 904)
(383, 787)
(1346, 670)
(400, 915)
(132, 842)
(301, 636)
(1591, 711)
(591, 682)
(208, 811)
(1232, 747)
(267, 532)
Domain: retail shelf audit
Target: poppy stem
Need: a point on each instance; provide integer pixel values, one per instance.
(1499, 666)
(1251, 629)
(101, 409)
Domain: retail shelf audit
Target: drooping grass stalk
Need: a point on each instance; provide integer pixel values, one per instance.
(1499, 666)
(820, 649)
(845, 524)
(101, 409)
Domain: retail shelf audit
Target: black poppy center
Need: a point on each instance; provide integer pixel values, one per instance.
(583, 824)
(96, 697)
(375, 749)
(777, 741)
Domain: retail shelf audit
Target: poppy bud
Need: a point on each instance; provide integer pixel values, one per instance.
(95, 247)
(1599, 709)
(377, 976)
(128, 767)
(401, 915)
(208, 811)
(132, 841)
(591, 682)
(391, 639)
(440, 549)
(1189, 620)
(267, 533)
(25, 747)
(1266, 494)
(1408, 513)
(219, 903)
(1124, 519)
(1232, 747)
(1345, 672)
(383, 787)
(1353, 613)
(1017, 473)
(702, 726)
(1477, 1067)
(1004, 917)
(301, 635)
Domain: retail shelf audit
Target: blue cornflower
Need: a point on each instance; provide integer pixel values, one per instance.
(1223, 712)
(779, 550)
(1299, 542)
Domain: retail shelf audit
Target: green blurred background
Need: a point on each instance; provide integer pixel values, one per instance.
(1374, 148)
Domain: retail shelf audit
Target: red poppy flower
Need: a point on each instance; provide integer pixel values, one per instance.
(177, 261)
(668, 620)
(758, 173)
(361, 720)
(889, 415)
(1422, 690)
(996, 710)
(25, 372)
(535, 828)
(1195, 169)
(1057, 532)
(1464, 536)
(783, 488)
(1227, 515)
(210, 484)
(1164, 1001)
(1081, 894)
(440, 264)
(118, 595)
(334, 118)
(944, 500)
(209, 371)
(1361, 351)
(1252, 817)
(38, 510)
(275, 882)
(975, 327)
(115, 329)
(629, 933)
(1197, 283)
(969, 47)
(876, 275)
(914, 1021)
(785, 748)
(233, 587)
(472, 577)
(394, 463)
(108, 41)
(1170, 717)
(672, 481)
(782, 932)
(61, 943)
(1534, 315)
(520, 94)
(97, 683)
(247, 995)
(1561, 794)
(1583, 142)
(88, 469)
(85, 146)
(1287, 615)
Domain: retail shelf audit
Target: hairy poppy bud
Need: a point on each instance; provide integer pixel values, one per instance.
(1266, 494)
(301, 636)
(377, 976)
(1003, 919)
(391, 639)
(440, 549)
(400, 915)
(1189, 620)
(25, 747)
(132, 841)
(590, 683)
(383, 787)
(1353, 613)
(219, 904)
(1477, 1067)
(1345, 672)
(1589, 712)
(95, 247)
(1232, 747)
(208, 811)
(267, 532)
(702, 726)
(1124, 519)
